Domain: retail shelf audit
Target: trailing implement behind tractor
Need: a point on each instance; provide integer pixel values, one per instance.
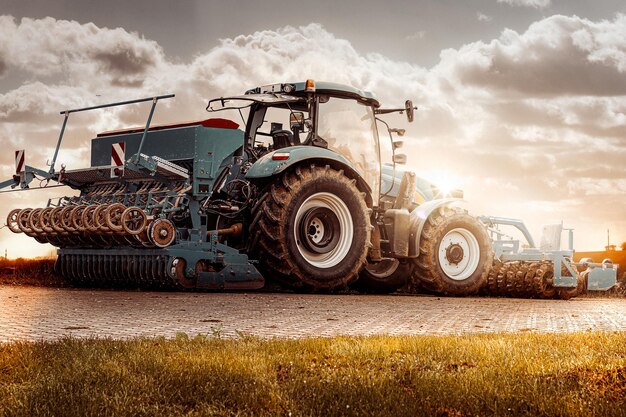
(301, 194)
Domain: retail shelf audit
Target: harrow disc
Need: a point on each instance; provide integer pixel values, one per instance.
(134, 220)
(56, 220)
(44, 220)
(88, 218)
(66, 219)
(33, 221)
(528, 280)
(143, 237)
(99, 219)
(113, 217)
(162, 233)
(77, 218)
(12, 221)
(22, 221)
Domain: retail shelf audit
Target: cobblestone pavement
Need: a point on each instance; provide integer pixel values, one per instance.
(31, 313)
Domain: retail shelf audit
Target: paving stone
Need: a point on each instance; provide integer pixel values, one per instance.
(31, 313)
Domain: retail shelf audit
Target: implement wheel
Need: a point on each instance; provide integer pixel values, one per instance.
(88, 219)
(455, 253)
(311, 229)
(22, 221)
(76, 216)
(134, 220)
(44, 220)
(12, 221)
(56, 220)
(33, 221)
(113, 217)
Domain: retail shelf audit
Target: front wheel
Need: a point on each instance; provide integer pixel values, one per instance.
(455, 254)
(311, 229)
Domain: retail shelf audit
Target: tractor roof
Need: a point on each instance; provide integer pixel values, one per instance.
(319, 87)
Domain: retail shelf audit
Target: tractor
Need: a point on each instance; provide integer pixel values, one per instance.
(299, 193)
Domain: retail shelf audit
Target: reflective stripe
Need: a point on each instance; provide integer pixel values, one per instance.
(117, 159)
(19, 161)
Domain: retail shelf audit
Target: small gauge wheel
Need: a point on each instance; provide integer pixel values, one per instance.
(162, 233)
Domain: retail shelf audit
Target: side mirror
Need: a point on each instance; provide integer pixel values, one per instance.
(296, 120)
(398, 144)
(399, 158)
(408, 106)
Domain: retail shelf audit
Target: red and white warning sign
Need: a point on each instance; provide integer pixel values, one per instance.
(117, 159)
(19, 161)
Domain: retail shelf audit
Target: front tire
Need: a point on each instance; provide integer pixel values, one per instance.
(455, 254)
(311, 229)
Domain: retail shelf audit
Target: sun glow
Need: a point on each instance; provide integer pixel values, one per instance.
(445, 181)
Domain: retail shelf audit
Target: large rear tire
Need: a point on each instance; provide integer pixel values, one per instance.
(311, 229)
(455, 254)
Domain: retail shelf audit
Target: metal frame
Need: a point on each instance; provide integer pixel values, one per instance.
(508, 249)
(23, 179)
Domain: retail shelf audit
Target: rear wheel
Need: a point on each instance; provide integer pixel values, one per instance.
(311, 229)
(455, 253)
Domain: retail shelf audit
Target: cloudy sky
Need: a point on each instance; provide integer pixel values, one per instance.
(522, 103)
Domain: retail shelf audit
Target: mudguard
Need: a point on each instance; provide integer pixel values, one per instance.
(418, 218)
(267, 166)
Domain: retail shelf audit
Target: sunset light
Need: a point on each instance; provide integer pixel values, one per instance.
(313, 208)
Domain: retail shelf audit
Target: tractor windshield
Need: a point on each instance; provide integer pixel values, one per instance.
(349, 128)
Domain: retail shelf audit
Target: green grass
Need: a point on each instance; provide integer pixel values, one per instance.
(529, 374)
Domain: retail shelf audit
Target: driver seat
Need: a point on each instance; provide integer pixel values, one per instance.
(282, 138)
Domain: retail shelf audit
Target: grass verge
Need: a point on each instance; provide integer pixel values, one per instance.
(530, 374)
(36, 272)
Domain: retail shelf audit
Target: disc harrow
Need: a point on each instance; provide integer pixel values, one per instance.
(106, 216)
(528, 280)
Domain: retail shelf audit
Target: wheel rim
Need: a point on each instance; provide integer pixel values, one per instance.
(323, 230)
(13, 221)
(459, 254)
(384, 268)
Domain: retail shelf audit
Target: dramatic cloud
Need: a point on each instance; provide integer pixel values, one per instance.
(85, 52)
(531, 124)
(556, 56)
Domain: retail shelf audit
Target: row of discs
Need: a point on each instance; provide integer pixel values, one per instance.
(97, 224)
(529, 280)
